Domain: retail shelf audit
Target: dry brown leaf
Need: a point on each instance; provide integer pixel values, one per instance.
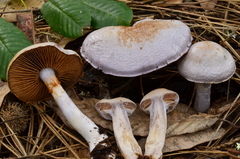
(192, 124)
(4, 89)
(220, 109)
(181, 112)
(188, 141)
(208, 5)
(18, 5)
(83, 153)
(64, 41)
(188, 121)
(25, 23)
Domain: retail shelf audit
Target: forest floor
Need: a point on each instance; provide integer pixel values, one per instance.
(37, 131)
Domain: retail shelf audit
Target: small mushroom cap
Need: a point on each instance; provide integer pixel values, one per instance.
(131, 51)
(207, 62)
(24, 68)
(105, 106)
(170, 98)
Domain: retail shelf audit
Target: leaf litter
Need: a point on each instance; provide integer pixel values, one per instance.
(214, 133)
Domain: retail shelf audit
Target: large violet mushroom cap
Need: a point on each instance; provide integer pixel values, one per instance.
(207, 62)
(24, 68)
(131, 51)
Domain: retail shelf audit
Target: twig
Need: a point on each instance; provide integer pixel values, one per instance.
(19, 11)
(225, 116)
(15, 139)
(225, 42)
(233, 125)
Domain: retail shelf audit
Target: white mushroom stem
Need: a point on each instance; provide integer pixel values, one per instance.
(157, 129)
(123, 132)
(157, 103)
(80, 122)
(202, 98)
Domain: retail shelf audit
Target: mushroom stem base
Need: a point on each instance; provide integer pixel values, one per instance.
(80, 122)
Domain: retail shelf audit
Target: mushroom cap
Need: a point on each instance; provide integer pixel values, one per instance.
(131, 51)
(105, 106)
(23, 70)
(207, 62)
(170, 98)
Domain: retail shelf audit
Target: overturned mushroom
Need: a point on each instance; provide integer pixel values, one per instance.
(131, 51)
(157, 103)
(118, 110)
(35, 74)
(206, 63)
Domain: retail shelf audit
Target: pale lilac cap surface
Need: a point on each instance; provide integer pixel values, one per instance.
(207, 62)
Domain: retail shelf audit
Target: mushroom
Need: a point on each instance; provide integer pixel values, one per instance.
(131, 51)
(157, 103)
(206, 63)
(118, 110)
(35, 74)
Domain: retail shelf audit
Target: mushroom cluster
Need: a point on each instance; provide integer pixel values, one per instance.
(147, 46)
(157, 103)
(132, 51)
(42, 71)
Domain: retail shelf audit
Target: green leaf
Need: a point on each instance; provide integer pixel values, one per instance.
(12, 40)
(109, 13)
(66, 17)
